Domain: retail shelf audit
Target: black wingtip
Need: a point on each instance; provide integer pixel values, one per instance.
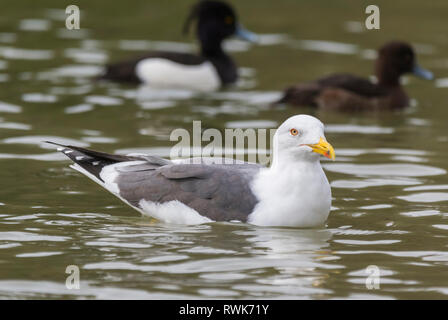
(85, 158)
(54, 143)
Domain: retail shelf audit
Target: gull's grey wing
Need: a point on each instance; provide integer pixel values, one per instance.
(219, 192)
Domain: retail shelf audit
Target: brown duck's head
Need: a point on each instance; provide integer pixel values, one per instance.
(395, 59)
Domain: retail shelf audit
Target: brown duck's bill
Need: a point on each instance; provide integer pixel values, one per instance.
(422, 73)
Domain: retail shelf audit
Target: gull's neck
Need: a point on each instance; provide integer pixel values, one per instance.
(288, 169)
(285, 162)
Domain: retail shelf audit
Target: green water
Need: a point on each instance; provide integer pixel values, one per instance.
(389, 180)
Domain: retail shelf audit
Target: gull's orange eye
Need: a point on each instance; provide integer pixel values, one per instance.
(228, 20)
(294, 132)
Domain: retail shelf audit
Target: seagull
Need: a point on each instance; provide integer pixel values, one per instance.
(292, 192)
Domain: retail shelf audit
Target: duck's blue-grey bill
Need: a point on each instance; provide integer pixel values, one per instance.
(245, 34)
(422, 73)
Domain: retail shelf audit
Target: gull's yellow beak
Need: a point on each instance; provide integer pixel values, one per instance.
(323, 148)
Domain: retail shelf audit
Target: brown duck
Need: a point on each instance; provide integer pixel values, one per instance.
(346, 92)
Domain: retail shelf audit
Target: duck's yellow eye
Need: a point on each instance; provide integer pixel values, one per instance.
(294, 132)
(228, 20)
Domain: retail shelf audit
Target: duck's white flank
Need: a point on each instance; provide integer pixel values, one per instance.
(163, 73)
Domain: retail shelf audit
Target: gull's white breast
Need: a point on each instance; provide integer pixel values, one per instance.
(296, 198)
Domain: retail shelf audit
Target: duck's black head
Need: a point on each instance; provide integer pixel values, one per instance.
(216, 21)
(395, 59)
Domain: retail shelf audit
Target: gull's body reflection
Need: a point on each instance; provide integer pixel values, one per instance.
(292, 263)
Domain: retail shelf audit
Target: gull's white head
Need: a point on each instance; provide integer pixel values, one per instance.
(302, 138)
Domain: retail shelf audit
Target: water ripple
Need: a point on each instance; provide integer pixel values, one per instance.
(28, 236)
(388, 169)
